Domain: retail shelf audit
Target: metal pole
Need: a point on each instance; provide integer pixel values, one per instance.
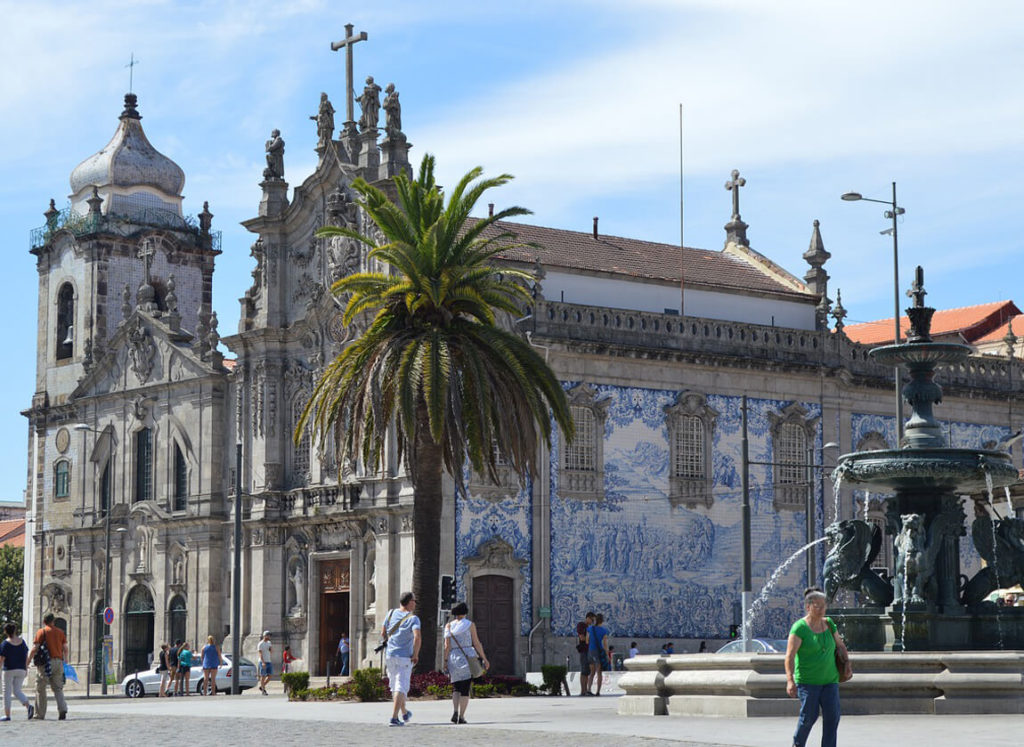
(746, 595)
(811, 553)
(106, 590)
(236, 581)
(896, 313)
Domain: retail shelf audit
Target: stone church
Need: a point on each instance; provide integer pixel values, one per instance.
(139, 403)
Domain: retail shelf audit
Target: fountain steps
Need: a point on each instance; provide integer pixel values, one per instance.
(754, 685)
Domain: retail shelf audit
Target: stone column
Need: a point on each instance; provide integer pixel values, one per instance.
(369, 154)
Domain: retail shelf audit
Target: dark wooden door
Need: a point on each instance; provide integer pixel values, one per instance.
(493, 611)
(335, 582)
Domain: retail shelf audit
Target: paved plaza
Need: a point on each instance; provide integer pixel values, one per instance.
(253, 719)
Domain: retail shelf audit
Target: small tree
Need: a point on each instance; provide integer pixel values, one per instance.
(433, 365)
(12, 583)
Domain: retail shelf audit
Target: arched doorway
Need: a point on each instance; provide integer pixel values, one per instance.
(493, 612)
(138, 630)
(179, 618)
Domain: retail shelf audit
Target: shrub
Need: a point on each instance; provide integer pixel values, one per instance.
(523, 688)
(302, 694)
(293, 681)
(368, 686)
(420, 684)
(483, 691)
(441, 692)
(554, 675)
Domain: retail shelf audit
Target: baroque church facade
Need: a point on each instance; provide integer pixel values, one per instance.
(137, 413)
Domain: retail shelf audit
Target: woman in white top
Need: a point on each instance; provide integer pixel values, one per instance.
(461, 643)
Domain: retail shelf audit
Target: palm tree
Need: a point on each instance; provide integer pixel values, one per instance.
(433, 363)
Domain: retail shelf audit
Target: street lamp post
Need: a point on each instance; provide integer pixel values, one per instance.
(894, 213)
(106, 574)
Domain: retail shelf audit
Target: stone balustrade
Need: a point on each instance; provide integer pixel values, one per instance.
(575, 323)
(749, 685)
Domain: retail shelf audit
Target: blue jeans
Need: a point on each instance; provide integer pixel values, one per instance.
(813, 698)
(344, 664)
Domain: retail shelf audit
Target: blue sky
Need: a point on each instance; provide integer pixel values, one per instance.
(579, 100)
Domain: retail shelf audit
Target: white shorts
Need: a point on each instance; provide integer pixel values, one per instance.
(399, 673)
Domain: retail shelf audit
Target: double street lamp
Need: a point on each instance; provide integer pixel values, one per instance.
(893, 213)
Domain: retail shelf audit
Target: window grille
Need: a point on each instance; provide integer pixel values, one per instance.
(791, 453)
(579, 455)
(689, 456)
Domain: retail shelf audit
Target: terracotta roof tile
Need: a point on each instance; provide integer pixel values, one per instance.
(577, 250)
(972, 322)
(12, 532)
(999, 332)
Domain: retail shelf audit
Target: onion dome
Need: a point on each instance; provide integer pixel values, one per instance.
(129, 172)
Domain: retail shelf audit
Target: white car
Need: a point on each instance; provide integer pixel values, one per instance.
(148, 682)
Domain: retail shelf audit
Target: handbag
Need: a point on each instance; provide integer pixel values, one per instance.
(476, 663)
(843, 666)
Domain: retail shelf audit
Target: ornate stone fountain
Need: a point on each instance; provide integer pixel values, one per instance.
(957, 646)
(927, 605)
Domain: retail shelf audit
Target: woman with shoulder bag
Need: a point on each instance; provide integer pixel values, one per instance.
(464, 659)
(812, 673)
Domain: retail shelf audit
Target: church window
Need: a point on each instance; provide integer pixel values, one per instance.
(792, 433)
(690, 424)
(144, 465)
(105, 489)
(179, 618)
(582, 474)
(180, 480)
(300, 451)
(65, 321)
(62, 479)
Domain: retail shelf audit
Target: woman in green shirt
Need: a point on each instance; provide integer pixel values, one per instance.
(811, 671)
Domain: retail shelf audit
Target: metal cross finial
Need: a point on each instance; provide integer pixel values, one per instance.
(349, 40)
(917, 291)
(131, 73)
(146, 252)
(733, 186)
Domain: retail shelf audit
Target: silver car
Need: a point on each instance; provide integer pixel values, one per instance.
(148, 682)
(757, 646)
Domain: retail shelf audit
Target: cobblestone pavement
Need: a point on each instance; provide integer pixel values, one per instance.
(252, 719)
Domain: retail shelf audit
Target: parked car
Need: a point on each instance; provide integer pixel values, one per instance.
(757, 646)
(148, 682)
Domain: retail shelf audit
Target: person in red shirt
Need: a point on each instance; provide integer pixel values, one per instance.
(287, 659)
(57, 647)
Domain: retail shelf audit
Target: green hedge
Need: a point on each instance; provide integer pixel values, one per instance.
(295, 681)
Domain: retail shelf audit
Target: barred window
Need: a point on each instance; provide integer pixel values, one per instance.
(579, 455)
(144, 465)
(690, 445)
(791, 453)
(62, 479)
(300, 451)
(180, 480)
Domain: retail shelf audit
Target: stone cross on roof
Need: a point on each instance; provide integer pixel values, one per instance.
(348, 42)
(131, 73)
(733, 186)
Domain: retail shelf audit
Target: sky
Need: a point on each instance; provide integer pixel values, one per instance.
(579, 100)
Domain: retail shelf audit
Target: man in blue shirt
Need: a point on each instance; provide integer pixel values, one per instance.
(402, 632)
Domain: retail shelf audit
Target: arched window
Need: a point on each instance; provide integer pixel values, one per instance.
(105, 489)
(582, 475)
(793, 431)
(144, 465)
(62, 479)
(691, 424)
(180, 480)
(65, 322)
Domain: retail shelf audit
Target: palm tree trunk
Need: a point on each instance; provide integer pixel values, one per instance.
(427, 469)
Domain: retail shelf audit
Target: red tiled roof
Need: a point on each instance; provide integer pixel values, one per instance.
(12, 532)
(971, 322)
(999, 333)
(577, 250)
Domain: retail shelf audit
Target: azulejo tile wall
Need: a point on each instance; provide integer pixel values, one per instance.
(672, 572)
(478, 520)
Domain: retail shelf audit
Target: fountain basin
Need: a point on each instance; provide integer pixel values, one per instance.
(920, 352)
(958, 471)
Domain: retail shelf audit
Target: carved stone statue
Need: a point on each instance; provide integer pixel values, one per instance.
(298, 580)
(914, 571)
(1004, 559)
(855, 545)
(178, 570)
(369, 102)
(392, 113)
(324, 119)
(275, 157)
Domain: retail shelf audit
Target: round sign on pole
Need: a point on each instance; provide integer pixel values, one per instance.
(108, 616)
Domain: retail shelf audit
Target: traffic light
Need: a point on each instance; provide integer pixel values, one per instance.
(734, 631)
(447, 592)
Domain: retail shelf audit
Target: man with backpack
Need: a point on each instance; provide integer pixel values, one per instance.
(49, 651)
(583, 649)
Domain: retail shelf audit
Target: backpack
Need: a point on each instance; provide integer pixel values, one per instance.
(42, 657)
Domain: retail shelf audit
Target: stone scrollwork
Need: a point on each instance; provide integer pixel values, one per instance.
(141, 350)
